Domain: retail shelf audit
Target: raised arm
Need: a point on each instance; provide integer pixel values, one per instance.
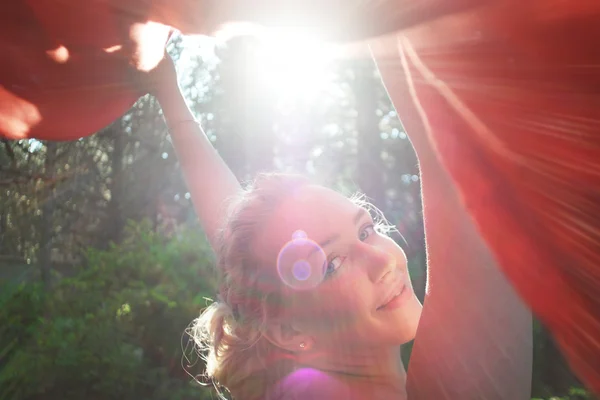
(474, 340)
(210, 181)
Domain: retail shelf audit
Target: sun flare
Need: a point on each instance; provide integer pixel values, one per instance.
(295, 66)
(291, 65)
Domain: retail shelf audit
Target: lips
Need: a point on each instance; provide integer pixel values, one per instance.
(392, 295)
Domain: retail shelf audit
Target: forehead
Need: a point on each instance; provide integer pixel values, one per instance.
(317, 211)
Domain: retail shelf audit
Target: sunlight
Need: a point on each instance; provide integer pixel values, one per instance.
(294, 66)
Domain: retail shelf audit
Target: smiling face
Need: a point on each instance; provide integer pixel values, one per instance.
(346, 284)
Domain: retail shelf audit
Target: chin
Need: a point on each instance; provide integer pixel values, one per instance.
(415, 316)
(407, 320)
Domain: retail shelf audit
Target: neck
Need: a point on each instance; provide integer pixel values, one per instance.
(381, 365)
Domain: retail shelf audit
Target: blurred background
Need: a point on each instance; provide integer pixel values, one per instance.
(102, 262)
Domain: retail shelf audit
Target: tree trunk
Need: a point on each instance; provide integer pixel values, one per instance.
(47, 220)
(115, 217)
(370, 166)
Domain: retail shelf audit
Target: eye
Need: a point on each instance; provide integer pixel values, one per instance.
(333, 264)
(366, 232)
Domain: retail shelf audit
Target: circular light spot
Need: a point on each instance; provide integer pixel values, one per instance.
(301, 270)
(299, 235)
(301, 263)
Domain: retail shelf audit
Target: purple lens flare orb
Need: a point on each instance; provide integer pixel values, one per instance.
(301, 262)
(298, 235)
(301, 270)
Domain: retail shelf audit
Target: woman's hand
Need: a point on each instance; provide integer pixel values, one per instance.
(160, 81)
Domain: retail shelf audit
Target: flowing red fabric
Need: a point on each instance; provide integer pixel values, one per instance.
(65, 65)
(510, 96)
(509, 92)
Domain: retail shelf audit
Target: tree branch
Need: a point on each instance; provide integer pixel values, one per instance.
(10, 152)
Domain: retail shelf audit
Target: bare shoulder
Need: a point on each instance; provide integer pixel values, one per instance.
(310, 384)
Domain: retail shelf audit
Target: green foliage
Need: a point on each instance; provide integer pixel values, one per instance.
(111, 329)
(574, 394)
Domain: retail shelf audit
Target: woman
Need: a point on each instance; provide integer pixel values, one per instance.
(316, 300)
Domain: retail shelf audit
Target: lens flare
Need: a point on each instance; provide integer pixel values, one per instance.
(301, 262)
(301, 270)
(299, 235)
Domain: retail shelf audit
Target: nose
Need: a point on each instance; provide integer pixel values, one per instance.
(379, 263)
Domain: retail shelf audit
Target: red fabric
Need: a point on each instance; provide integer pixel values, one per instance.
(45, 96)
(511, 95)
(52, 94)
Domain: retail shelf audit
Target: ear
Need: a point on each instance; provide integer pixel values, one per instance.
(284, 336)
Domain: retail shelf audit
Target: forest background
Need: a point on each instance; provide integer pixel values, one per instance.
(102, 262)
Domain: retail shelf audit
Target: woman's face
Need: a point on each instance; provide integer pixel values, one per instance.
(351, 288)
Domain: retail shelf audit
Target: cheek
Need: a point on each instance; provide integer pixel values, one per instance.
(393, 248)
(340, 305)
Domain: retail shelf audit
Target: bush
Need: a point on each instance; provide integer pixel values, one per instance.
(574, 394)
(112, 329)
